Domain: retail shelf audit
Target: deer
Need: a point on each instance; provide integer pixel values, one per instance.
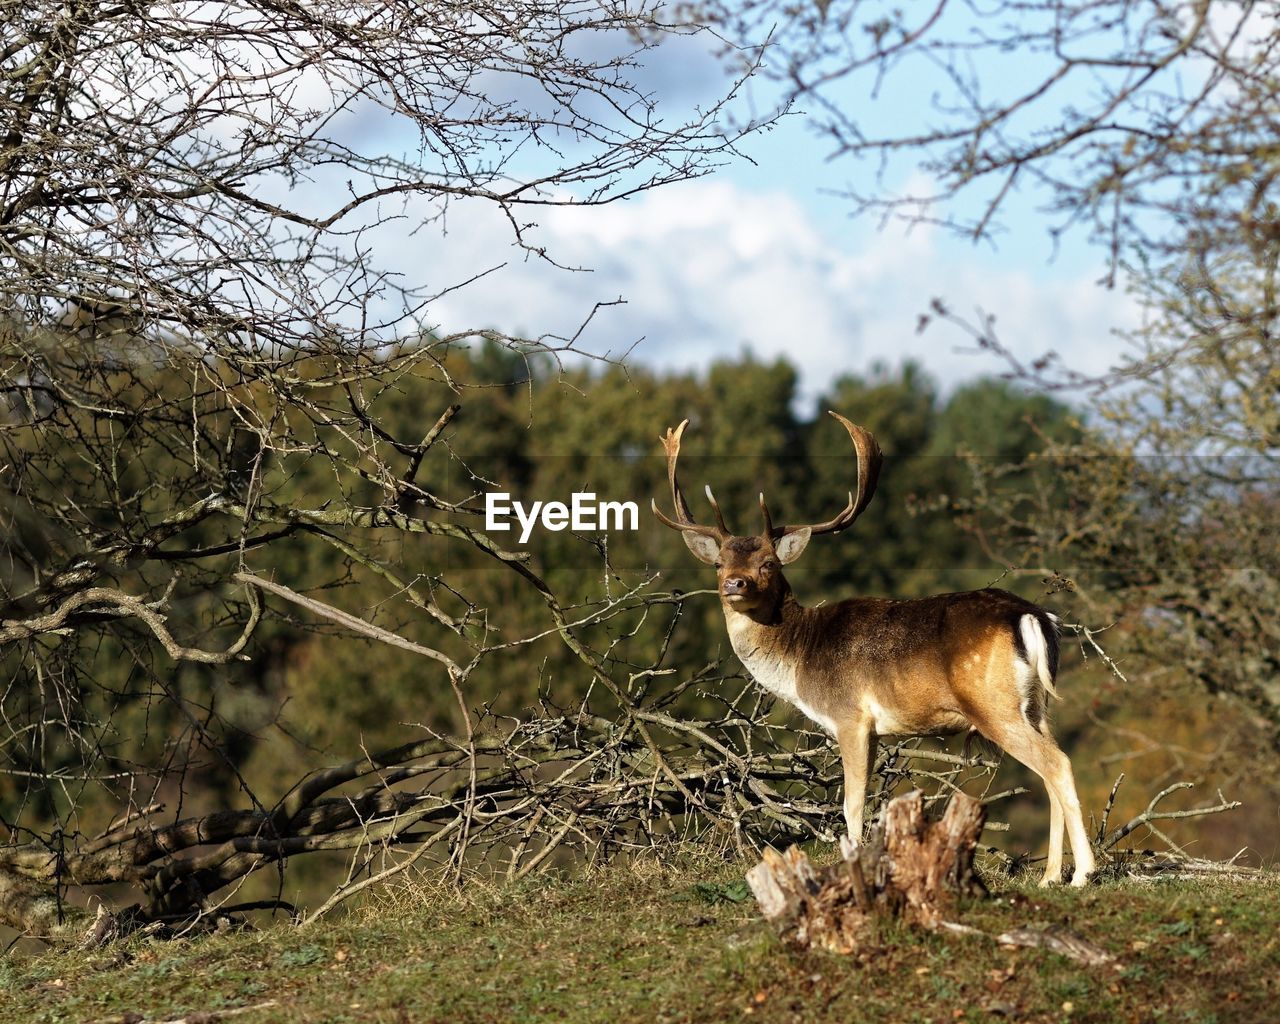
(866, 667)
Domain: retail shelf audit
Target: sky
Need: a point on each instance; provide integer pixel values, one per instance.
(762, 257)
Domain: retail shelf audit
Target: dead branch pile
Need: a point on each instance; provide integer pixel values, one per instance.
(519, 796)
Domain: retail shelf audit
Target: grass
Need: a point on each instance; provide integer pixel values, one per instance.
(682, 942)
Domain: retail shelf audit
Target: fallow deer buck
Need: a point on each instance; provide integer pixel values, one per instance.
(867, 667)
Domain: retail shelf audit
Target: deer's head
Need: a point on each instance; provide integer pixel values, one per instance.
(749, 569)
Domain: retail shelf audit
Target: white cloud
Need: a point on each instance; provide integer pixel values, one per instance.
(708, 268)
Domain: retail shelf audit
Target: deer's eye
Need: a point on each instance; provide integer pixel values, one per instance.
(719, 565)
(769, 566)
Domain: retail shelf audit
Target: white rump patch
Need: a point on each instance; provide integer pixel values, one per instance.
(1034, 678)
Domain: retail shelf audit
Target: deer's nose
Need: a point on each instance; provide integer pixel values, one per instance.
(734, 585)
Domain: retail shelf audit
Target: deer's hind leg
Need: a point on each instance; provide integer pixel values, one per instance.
(1053, 863)
(1039, 752)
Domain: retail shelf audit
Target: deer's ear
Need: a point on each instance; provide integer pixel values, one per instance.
(792, 546)
(704, 548)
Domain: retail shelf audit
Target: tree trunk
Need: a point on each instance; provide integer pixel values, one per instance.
(909, 867)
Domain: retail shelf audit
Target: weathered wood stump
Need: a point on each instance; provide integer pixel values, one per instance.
(909, 867)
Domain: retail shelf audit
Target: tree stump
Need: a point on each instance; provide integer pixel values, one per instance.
(909, 867)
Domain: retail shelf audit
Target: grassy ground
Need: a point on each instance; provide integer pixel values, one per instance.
(683, 943)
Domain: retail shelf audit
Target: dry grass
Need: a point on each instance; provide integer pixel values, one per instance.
(681, 941)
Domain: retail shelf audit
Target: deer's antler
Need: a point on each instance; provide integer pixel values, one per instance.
(869, 460)
(684, 519)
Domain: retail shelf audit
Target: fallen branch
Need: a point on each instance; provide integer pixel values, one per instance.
(1057, 939)
(1151, 815)
(1052, 937)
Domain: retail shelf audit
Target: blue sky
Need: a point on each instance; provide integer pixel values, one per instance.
(761, 257)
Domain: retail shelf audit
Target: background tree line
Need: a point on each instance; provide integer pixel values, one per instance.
(100, 721)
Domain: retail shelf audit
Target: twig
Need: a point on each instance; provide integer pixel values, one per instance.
(1151, 814)
(1106, 811)
(345, 619)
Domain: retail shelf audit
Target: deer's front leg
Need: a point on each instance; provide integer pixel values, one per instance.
(857, 750)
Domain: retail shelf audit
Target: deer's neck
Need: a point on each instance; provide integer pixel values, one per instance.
(769, 642)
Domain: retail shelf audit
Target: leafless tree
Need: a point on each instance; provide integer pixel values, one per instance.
(1149, 126)
(213, 171)
(203, 327)
(1130, 118)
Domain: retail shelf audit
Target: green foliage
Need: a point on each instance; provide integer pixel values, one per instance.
(302, 956)
(309, 694)
(721, 892)
(910, 541)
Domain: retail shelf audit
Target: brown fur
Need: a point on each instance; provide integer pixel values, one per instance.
(899, 651)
